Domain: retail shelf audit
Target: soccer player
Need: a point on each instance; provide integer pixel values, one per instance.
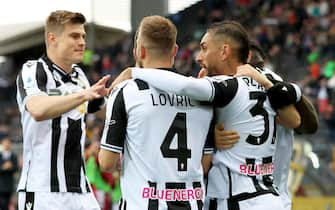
(241, 176)
(285, 136)
(53, 95)
(162, 136)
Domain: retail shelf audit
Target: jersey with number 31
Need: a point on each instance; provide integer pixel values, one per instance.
(162, 138)
(242, 105)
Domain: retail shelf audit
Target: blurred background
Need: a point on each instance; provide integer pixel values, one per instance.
(298, 37)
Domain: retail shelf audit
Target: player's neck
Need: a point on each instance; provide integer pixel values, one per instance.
(157, 64)
(230, 68)
(58, 61)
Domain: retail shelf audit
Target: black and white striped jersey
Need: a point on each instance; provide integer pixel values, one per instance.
(242, 105)
(52, 149)
(284, 150)
(162, 138)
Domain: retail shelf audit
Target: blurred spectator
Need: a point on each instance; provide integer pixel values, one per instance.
(324, 98)
(315, 70)
(105, 186)
(332, 163)
(4, 129)
(8, 167)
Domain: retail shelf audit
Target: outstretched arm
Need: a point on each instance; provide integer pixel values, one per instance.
(197, 89)
(43, 107)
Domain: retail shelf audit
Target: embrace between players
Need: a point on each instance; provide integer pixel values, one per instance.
(164, 144)
(162, 124)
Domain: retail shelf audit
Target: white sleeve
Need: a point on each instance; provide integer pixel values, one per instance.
(32, 81)
(197, 89)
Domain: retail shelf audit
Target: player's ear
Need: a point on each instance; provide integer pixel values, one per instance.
(225, 51)
(142, 52)
(51, 38)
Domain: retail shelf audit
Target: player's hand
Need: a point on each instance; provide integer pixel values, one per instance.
(225, 139)
(249, 71)
(202, 73)
(98, 90)
(125, 75)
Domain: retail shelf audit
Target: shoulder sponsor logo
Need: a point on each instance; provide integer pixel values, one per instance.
(29, 80)
(54, 92)
(29, 83)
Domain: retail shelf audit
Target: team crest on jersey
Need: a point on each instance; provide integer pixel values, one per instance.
(82, 108)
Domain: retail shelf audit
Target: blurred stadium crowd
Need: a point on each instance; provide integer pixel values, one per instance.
(298, 37)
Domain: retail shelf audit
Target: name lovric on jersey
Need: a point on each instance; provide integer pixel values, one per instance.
(165, 99)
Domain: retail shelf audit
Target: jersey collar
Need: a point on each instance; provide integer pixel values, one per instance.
(168, 69)
(64, 76)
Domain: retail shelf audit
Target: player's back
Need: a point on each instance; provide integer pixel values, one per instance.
(165, 139)
(248, 165)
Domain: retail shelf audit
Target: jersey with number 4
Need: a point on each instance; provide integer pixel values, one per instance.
(247, 167)
(162, 138)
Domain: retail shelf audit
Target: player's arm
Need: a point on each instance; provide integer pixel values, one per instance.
(206, 162)
(208, 150)
(43, 107)
(282, 95)
(108, 160)
(32, 87)
(225, 139)
(197, 89)
(114, 133)
(309, 118)
(289, 117)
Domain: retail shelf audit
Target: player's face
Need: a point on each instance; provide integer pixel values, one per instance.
(208, 56)
(70, 44)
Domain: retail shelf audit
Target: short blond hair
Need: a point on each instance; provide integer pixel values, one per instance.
(57, 19)
(157, 33)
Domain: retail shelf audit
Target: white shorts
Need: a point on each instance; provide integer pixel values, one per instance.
(261, 202)
(57, 201)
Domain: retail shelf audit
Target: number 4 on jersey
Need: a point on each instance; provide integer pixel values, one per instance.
(182, 153)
